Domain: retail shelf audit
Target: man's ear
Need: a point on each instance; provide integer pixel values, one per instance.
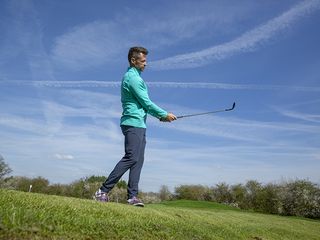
(132, 60)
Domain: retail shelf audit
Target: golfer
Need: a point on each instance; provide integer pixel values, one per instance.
(136, 104)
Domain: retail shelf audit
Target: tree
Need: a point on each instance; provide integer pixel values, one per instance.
(268, 199)
(39, 184)
(222, 193)
(238, 193)
(118, 195)
(4, 168)
(94, 179)
(122, 184)
(253, 188)
(301, 198)
(192, 192)
(18, 183)
(165, 193)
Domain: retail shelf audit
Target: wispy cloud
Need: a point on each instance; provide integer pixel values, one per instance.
(23, 41)
(315, 118)
(249, 41)
(192, 85)
(64, 156)
(24, 124)
(98, 42)
(242, 130)
(82, 128)
(57, 107)
(230, 86)
(88, 45)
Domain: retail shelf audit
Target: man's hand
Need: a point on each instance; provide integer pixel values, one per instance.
(169, 118)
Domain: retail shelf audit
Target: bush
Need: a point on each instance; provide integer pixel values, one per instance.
(239, 193)
(150, 197)
(118, 194)
(4, 169)
(268, 200)
(298, 198)
(60, 189)
(193, 192)
(38, 184)
(164, 193)
(301, 198)
(253, 189)
(222, 194)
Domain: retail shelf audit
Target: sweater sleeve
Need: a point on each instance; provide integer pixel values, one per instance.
(139, 90)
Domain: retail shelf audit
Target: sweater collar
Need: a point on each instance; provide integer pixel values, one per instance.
(135, 69)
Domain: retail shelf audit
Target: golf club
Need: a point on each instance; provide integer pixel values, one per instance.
(205, 113)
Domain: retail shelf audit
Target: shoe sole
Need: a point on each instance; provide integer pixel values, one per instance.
(138, 205)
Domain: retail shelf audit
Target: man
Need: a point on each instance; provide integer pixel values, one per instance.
(136, 105)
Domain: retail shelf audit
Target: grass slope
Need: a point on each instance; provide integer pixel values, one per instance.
(37, 216)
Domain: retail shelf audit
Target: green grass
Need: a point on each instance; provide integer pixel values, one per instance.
(37, 216)
(200, 205)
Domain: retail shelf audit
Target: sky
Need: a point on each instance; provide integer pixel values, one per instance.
(61, 65)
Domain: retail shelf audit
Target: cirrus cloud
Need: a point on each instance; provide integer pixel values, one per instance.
(249, 41)
(64, 156)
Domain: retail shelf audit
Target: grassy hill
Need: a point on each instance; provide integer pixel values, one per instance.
(37, 216)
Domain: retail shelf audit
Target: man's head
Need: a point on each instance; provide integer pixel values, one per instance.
(137, 57)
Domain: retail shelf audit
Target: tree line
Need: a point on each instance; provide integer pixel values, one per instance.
(291, 198)
(294, 198)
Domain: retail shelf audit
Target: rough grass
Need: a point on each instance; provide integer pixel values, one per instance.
(37, 216)
(200, 205)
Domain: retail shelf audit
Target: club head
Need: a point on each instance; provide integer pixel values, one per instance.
(233, 106)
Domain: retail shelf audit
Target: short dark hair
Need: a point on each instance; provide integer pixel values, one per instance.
(134, 52)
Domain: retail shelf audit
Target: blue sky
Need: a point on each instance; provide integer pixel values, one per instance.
(61, 63)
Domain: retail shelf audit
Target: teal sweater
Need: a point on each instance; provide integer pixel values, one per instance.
(136, 103)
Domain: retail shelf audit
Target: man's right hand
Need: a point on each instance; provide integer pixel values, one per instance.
(169, 118)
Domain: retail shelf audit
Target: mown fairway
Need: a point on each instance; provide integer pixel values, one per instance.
(37, 216)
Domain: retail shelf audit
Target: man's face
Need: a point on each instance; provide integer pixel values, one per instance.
(140, 62)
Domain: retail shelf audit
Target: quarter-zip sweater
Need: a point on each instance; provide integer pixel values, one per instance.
(136, 103)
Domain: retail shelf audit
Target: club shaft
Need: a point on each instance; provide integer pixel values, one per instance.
(198, 114)
(205, 113)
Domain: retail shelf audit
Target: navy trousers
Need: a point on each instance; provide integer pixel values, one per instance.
(134, 146)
